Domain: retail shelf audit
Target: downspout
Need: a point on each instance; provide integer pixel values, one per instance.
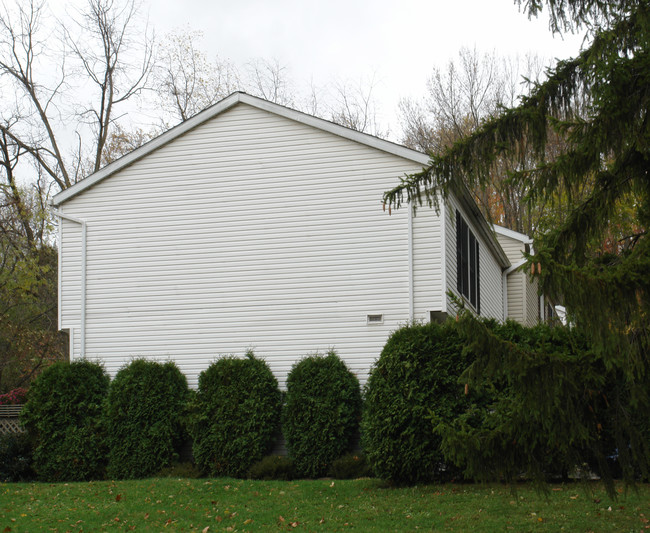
(442, 217)
(410, 252)
(82, 326)
(506, 273)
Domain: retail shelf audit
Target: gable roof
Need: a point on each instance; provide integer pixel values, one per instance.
(220, 107)
(292, 114)
(523, 238)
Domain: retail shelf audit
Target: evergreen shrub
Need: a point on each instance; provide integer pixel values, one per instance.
(235, 416)
(321, 413)
(15, 458)
(350, 466)
(272, 468)
(63, 416)
(414, 382)
(558, 407)
(144, 417)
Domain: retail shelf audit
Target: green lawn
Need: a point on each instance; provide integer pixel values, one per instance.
(364, 505)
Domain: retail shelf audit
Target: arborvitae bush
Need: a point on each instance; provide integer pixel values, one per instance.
(350, 466)
(63, 416)
(15, 457)
(272, 468)
(236, 415)
(144, 416)
(321, 413)
(414, 382)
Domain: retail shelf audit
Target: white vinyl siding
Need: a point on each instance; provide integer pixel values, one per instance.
(516, 296)
(70, 282)
(491, 284)
(428, 274)
(532, 302)
(249, 231)
(523, 298)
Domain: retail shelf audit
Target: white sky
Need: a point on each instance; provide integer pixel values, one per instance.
(396, 43)
(390, 45)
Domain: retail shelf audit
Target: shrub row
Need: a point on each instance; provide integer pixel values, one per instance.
(82, 426)
(443, 400)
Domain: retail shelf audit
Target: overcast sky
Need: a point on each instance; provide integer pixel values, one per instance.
(396, 43)
(390, 45)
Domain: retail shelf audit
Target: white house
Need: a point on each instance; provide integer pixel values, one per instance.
(522, 300)
(255, 226)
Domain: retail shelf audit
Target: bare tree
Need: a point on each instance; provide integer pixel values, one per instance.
(470, 90)
(186, 80)
(31, 125)
(44, 68)
(354, 107)
(269, 79)
(102, 45)
(108, 26)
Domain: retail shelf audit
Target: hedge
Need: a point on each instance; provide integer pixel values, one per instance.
(321, 413)
(235, 416)
(144, 417)
(414, 382)
(63, 416)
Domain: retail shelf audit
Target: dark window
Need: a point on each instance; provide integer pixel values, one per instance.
(468, 279)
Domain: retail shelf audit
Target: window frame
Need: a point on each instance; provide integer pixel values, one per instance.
(468, 278)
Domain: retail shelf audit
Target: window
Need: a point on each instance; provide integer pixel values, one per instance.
(467, 272)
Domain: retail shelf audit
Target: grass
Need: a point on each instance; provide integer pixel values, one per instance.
(163, 504)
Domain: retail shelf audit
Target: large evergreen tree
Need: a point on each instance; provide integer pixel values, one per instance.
(598, 103)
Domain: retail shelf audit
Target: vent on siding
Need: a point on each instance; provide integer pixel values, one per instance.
(376, 319)
(439, 317)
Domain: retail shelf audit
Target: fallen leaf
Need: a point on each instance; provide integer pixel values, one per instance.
(205, 529)
(118, 497)
(146, 516)
(248, 521)
(6, 530)
(294, 524)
